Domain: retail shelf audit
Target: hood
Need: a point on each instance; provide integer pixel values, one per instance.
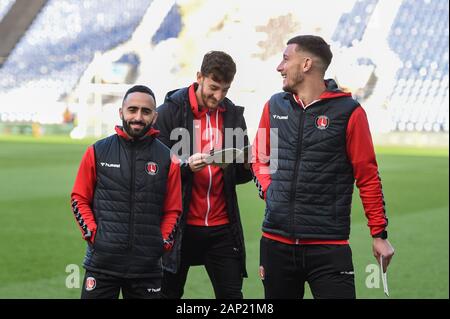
(332, 90)
(177, 96)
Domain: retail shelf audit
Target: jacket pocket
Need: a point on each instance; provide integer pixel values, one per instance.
(97, 235)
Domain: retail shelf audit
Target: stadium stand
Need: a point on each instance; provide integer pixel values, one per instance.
(419, 35)
(170, 27)
(352, 25)
(16, 18)
(58, 50)
(63, 39)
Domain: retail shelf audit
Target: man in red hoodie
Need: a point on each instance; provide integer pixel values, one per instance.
(312, 144)
(126, 201)
(210, 231)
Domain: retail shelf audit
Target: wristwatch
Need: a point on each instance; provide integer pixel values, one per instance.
(382, 235)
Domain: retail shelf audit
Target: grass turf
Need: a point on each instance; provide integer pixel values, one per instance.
(39, 237)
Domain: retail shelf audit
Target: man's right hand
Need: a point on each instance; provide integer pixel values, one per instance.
(91, 236)
(197, 161)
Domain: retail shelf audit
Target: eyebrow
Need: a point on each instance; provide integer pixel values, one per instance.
(218, 86)
(142, 107)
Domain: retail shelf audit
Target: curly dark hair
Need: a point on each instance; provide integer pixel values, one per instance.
(314, 45)
(219, 65)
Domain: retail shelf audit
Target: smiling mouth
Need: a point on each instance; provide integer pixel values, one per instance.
(136, 125)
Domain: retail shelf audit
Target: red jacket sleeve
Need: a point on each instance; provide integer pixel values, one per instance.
(361, 153)
(83, 193)
(172, 204)
(261, 154)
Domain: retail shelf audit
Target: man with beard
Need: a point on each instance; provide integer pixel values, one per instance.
(126, 200)
(210, 231)
(314, 143)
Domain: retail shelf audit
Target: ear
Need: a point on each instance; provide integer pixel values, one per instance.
(121, 113)
(154, 118)
(307, 65)
(199, 76)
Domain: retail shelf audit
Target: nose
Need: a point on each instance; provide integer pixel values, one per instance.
(280, 66)
(139, 115)
(219, 95)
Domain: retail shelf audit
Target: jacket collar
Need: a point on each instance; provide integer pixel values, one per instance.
(332, 91)
(151, 132)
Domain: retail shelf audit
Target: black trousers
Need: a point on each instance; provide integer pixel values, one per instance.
(328, 269)
(101, 286)
(213, 247)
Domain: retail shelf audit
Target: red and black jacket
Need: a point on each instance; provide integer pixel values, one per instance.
(209, 196)
(322, 149)
(126, 200)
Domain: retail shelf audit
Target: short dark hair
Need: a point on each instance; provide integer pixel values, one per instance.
(315, 45)
(219, 65)
(139, 88)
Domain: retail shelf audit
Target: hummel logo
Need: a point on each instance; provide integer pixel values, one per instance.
(110, 165)
(153, 289)
(279, 117)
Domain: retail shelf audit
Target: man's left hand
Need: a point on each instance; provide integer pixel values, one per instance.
(382, 247)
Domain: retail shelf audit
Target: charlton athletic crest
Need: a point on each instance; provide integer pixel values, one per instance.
(322, 122)
(151, 168)
(91, 283)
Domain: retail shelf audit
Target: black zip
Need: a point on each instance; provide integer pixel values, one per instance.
(297, 163)
(132, 199)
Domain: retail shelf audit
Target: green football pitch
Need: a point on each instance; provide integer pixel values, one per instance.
(39, 238)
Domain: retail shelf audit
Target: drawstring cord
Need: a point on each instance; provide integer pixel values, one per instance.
(209, 129)
(217, 127)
